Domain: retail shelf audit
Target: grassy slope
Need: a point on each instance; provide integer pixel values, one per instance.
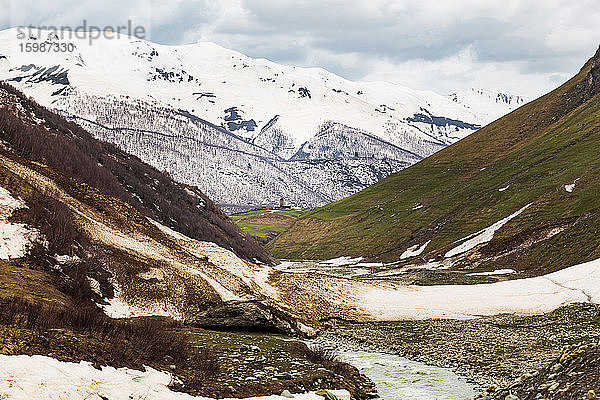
(263, 223)
(537, 150)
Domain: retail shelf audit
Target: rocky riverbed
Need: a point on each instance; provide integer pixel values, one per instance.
(490, 351)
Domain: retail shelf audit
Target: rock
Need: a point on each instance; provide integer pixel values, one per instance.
(544, 386)
(172, 367)
(591, 395)
(253, 315)
(492, 388)
(326, 394)
(286, 393)
(511, 397)
(525, 376)
(556, 367)
(554, 386)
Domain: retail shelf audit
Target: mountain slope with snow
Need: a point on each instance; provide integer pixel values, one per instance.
(246, 131)
(519, 194)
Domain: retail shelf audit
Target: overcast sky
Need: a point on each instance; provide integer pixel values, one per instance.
(522, 47)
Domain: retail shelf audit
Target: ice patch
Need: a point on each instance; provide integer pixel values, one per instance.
(414, 250)
(484, 235)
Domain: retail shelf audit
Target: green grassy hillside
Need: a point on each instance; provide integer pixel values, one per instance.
(265, 224)
(531, 154)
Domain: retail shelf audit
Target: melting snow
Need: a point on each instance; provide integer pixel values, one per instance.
(580, 283)
(38, 377)
(118, 307)
(483, 236)
(414, 250)
(496, 272)
(341, 261)
(571, 187)
(15, 239)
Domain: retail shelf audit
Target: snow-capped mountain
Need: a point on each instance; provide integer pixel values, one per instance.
(246, 131)
(490, 103)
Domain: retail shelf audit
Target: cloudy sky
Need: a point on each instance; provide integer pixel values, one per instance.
(522, 47)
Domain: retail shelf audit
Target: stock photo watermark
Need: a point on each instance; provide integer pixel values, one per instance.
(84, 31)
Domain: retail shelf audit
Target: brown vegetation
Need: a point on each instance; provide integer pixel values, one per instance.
(33, 132)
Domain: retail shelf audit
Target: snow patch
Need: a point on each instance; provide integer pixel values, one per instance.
(571, 187)
(65, 258)
(504, 188)
(39, 378)
(580, 283)
(414, 250)
(496, 272)
(341, 261)
(253, 275)
(118, 307)
(15, 239)
(484, 235)
(95, 286)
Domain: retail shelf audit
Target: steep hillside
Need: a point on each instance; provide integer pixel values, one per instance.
(520, 194)
(39, 135)
(246, 131)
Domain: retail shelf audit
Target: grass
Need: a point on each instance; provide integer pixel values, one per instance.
(431, 278)
(132, 341)
(266, 223)
(74, 334)
(536, 150)
(19, 280)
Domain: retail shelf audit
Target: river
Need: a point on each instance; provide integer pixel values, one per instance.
(398, 378)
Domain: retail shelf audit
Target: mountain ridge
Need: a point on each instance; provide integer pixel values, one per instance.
(281, 109)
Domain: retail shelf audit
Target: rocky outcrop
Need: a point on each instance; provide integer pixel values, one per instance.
(574, 375)
(251, 315)
(590, 86)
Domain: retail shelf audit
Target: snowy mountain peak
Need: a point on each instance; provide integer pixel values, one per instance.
(488, 102)
(250, 111)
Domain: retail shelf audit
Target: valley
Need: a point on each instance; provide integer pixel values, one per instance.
(185, 221)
